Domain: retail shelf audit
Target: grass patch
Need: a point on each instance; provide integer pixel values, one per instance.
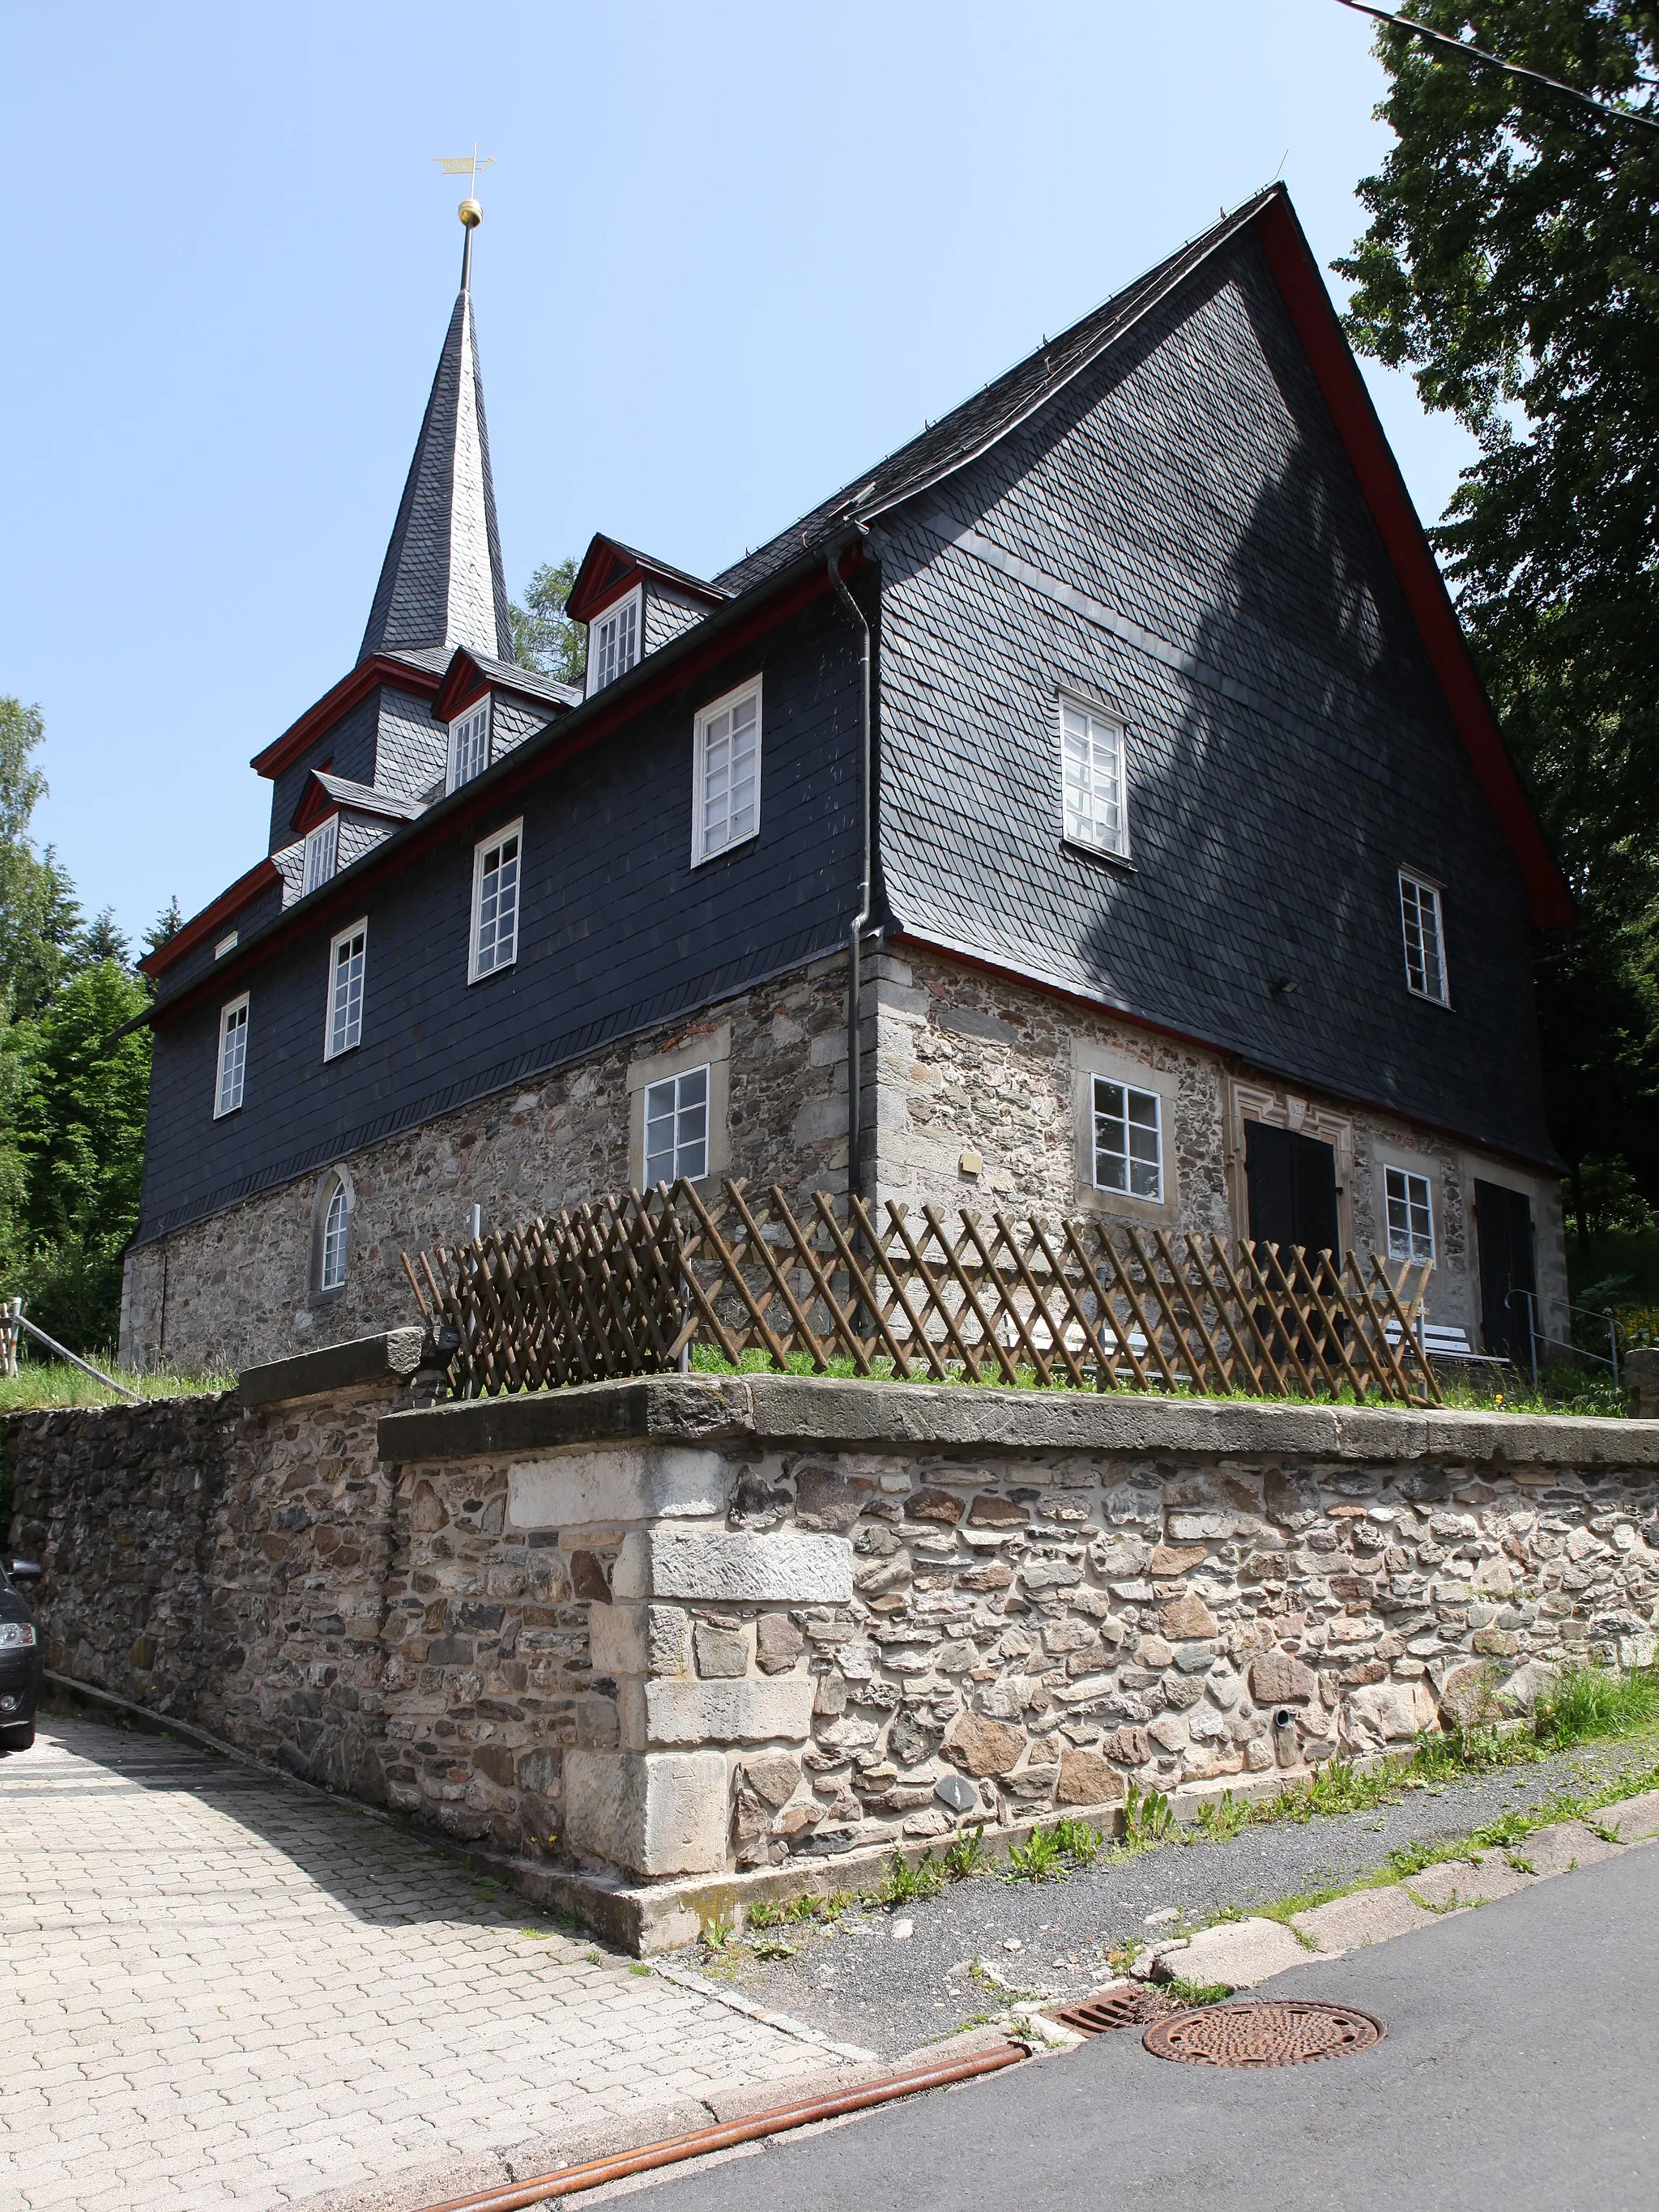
(52, 1383)
(1199, 1993)
(1587, 1702)
(1566, 1388)
(1148, 1819)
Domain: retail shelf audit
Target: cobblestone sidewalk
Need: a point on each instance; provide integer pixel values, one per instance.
(219, 1991)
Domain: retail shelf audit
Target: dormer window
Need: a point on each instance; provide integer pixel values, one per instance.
(469, 745)
(322, 853)
(613, 642)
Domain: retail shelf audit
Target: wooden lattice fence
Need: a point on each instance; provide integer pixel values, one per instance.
(626, 1284)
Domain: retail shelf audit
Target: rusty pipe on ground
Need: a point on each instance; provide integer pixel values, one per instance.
(569, 2179)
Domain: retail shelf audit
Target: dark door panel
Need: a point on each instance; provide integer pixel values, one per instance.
(1292, 1180)
(1503, 1220)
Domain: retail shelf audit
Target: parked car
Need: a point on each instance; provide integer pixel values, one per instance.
(20, 1659)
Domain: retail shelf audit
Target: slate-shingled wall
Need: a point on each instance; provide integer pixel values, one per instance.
(1289, 747)
(617, 936)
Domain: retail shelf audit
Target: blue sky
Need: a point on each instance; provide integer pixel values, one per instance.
(732, 253)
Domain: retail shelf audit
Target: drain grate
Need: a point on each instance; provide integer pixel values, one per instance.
(1274, 2033)
(1115, 2008)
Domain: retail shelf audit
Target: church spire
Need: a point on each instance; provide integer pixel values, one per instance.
(441, 581)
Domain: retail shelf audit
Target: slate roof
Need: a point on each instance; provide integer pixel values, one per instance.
(364, 798)
(967, 430)
(529, 682)
(441, 582)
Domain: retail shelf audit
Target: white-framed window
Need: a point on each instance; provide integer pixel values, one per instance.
(331, 1269)
(1411, 1214)
(496, 863)
(677, 1128)
(469, 745)
(1426, 941)
(1093, 797)
(346, 957)
(613, 642)
(233, 1057)
(1129, 1140)
(322, 853)
(225, 944)
(726, 759)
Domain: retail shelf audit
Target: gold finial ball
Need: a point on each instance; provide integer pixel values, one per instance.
(471, 214)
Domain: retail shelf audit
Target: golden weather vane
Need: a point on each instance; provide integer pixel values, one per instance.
(468, 165)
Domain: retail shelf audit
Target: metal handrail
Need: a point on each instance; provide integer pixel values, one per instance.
(12, 1318)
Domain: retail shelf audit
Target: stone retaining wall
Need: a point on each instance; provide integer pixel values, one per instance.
(840, 1615)
(672, 1630)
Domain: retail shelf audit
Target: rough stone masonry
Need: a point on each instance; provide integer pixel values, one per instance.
(665, 1632)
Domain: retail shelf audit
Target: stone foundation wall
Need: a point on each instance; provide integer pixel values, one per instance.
(247, 1562)
(842, 1615)
(978, 1080)
(972, 1085)
(237, 1287)
(678, 1628)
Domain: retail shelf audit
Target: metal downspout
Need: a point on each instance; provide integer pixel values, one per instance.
(860, 920)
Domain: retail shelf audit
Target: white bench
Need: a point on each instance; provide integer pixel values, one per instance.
(1440, 1341)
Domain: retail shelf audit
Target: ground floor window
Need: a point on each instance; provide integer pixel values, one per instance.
(1410, 1215)
(677, 1128)
(1129, 1140)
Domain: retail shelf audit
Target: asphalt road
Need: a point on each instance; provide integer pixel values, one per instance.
(1050, 1941)
(1517, 2075)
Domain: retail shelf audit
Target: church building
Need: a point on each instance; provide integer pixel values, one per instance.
(1101, 782)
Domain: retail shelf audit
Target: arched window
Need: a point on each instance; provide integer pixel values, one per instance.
(332, 1273)
(330, 1234)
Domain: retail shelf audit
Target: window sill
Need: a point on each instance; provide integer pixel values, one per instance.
(1119, 863)
(1427, 998)
(705, 859)
(489, 975)
(1118, 1206)
(344, 1053)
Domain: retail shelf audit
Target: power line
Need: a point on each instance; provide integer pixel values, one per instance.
(1514, 69)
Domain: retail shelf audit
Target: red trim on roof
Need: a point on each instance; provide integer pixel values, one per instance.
(608, 570)
(465, 683)
(315, 805)
(378, 669)
(258, 877)
(489, 797)
(1296, 274)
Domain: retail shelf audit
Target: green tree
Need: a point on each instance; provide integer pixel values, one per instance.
(40, 917)
(1512, 263)
(544, 636)
(79, 1124)
(166, 924)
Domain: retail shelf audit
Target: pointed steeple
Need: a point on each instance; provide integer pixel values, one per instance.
(441, 581)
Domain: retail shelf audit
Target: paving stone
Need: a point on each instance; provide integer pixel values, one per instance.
(1239, 1952)
(1369, 1916)
(244, 1997)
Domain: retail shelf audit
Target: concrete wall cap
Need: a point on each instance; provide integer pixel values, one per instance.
(649, 1409)
(783, 1409)
(392, 1356)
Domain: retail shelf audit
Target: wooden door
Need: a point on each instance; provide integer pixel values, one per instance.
(1292, 1182)
(1502, 1219)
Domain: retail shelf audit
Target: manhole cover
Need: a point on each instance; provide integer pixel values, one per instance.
(1115, 2008)
(1275, 2033)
